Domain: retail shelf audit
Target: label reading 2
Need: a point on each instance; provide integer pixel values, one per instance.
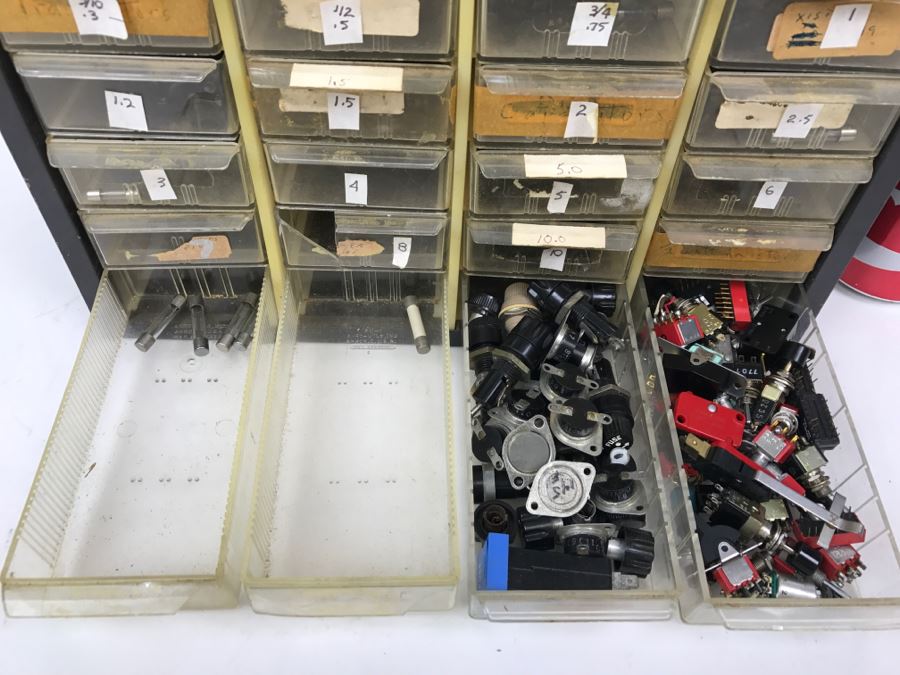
(125, 111)
(356, 188)
(341, 22)
(592, 24)
(583, 120)
(99, 17)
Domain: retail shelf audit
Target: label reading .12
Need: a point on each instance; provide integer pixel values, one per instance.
(341, 22)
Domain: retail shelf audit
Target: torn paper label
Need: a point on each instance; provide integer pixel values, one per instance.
(214, 247)
(316, 101)
(399, 18)
(757, 115)
(358, 248)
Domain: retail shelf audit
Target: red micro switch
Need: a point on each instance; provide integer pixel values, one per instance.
(741, 305)
(730, 588)
(839, 560)
(717, 424)
(681, 331)
(775, 446)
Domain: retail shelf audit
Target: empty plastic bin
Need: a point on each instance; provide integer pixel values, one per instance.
(152, 173)
(355, 506)
(659, 31)
(141, 501)
(575, 185)
(129, 95)
(403, 102)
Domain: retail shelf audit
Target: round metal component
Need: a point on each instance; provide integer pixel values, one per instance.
(560, 489)
(568, 348)
(526, 450)
(577, 424)
(787, 420)
(559, 382)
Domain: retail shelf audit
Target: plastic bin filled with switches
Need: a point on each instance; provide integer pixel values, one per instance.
(776, 518)
(566, 520)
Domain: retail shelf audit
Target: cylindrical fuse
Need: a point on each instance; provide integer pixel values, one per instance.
(148, 338)
(416, 324)
(198, 325)
(244, 311)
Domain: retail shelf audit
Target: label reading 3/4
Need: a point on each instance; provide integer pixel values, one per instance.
(341, 22)
(559, 197)
(343, 111)
(356, 188)
(798, 120)
(99, 17)
(158, 186)
(592, 24)
(125, 111)
(402, 249)
(583, 120)
(558, 236)
(553, 259)
(769, 194)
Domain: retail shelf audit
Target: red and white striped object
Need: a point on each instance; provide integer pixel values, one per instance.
(875, 269)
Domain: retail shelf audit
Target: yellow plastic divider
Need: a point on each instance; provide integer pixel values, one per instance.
(256, 156)
(697, 61)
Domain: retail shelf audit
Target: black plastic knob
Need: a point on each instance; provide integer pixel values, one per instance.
(639, 551)
(494, 516)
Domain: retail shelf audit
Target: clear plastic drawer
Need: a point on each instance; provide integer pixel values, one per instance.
(590, 251)
(534, 103)
(141, 501)
(408, 102)
(390, 29)
(765, 188)
(129, 95)
(577, 185)
(333, 239)
(152, 173)
(380, 176)
(147, 238)
(821, 112)
(354, 507)
(873, 600)
(781, 34)
(153, 27)
(636, 31)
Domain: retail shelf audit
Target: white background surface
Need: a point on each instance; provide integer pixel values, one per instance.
(43, 318)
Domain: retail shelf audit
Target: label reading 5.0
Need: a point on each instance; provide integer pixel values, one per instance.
(343, 111)
(356, 188)
(798, 120)
(592, 24)
(559, 197)
(553, 259)
(583, 120)
(846, 26)
(99, 17)
(769, 194)
(575, 166)
(158, 186)
(125, 111)
(341, 22)
(402, 249)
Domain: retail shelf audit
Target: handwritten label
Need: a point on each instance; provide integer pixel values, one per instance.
(347, 78)
(548, 235)
(758, 115)
(769, 194)
(356, 188)
(575, 166)
(583, 120)
(158, 186)
(126, 111)
(592, 24)
(402, 249)
(341, 22)
(846, 26)
(358, 248)
(343, 111)
(317, 101)
(380, 17)
(214, 247)
(559, 197)
(797, 120)
(99, 17)
(553, 259)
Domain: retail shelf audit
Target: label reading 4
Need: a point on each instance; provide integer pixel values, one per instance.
(769, 194)
(559, 197)
(158, 186)
(99, 17)
(356, 188)
(343, 111)
(798, 120)
(583, 119)
(846, 26)
(341, 22)
(592, 24)
(126, 111)
(402, 249)
(553, 259)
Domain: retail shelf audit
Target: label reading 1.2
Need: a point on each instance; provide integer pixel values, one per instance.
(583, 120)
(548, 235)
(125, 111)
(769, 194)
(559, 197)
(846, 26)
(402, 249)
(553, 259)
(356, 188)
(99, 17)
(592, 24)
(158, 186)
(341, 22)
(343, 111)
(798, 120)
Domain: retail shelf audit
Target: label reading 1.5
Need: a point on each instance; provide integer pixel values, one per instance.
(548, 235)
(559, 197)
(592, 24)
(99, 17)
(356, 188)
(343, 111)
(769, 194)
(553, 259)
(846, 26)
(125, 111)
(158, 186)
(341, 22)
(402, 249)
(798, 120)
(583, 120)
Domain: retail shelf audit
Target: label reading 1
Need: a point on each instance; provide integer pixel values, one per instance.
(559, 197)
(402, 249)
(125, 111)
(592, 24)
(553, 259)
(343, 111)
(583, 120)
(341, 22)
(356, 188)
(769, 194)
(351, 78)
(548, 235)
(797, 120)
(846, 26)
(575, 166)
(158, 185)
(99, 17)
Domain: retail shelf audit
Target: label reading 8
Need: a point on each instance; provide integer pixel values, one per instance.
(356, 188)
(402, 249)
(769, 194)
(560, 195)
(343, 111)
(341, 22)
(583, 120)
(592, 24)
(158, 186)
(846, 26)
(798, 120)
(99, 17)
(553, 259)
(125, 111)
